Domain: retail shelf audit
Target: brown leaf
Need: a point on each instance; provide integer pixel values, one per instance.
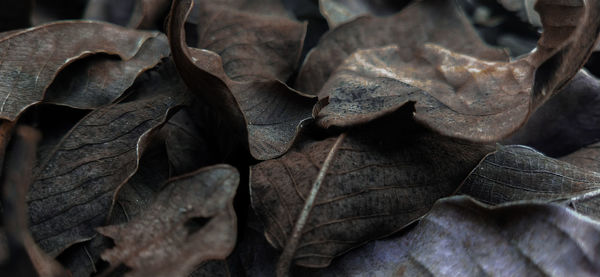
(252, 46)
(461, 237)
(411, 27)
(459, 95)
(514, 173)
(340, 11)
(99, 80)
(191, 221)
(33, 57)
(567, 122)
(377, 182)
(267, 112)
(587, 157)
(74, 186)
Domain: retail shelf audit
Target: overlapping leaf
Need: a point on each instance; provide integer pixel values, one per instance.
(74, 186)
(567, 122)
(461, 237)
(411, 27)
(514, 173)
(461, 94)
(32, 58)
(340, 11)
(265, 111)
(192, 220)
(377, 183)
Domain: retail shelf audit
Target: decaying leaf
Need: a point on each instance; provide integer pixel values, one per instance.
(514, 173)
(461, 237)
(32, 58)
(567, 122)
(411, 27)
(267, 112)
(340, 11)
(254, 44)
(192, 220)
(377, 183)
(99, 80)
(461, 95)
(146, 13)
(74, 186)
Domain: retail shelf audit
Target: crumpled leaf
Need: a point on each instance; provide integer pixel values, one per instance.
(377, 183)
(32, 58)
(74, 186)
(514, 173)
(98, 80)
(411, 27)
(267, 112)
(461, 237)
(568, 121)
(146, 13)
(26, 258)
(587, 157)
(191, 220)
(253, 46)
(460, 95)
(340, 11)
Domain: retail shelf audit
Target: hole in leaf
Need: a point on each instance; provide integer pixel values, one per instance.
(195, 223)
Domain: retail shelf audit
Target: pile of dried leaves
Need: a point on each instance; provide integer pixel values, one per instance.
(296, 138)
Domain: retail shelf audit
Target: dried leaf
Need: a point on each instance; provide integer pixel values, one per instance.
(567, 122)
(377, 183)
(191, 221)
(252, 46)
(74, 186)
(267, 112)
(33, 57)
(461, 237)
(459, 95)
(340, 11)
(411, 27)
(98, 80)
(514, 173)
(587, 157)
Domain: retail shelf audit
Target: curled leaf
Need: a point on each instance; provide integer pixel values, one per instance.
(32, 58)
(374, 185)
(192, 220)
(74, 187)
(265, 111)
(461, 95)
(98, 80)
(408, 29)
(465, 238)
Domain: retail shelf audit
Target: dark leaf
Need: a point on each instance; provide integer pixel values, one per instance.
(75, 185)
(268, 112)
(461, 237)
(514, 173)
(435, 21)
(32, 58)
(459, 95)
(568, 121)
(376, 183)
(191, 221)
(99, 80)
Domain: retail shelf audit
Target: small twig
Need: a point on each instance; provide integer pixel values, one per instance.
(285, 260)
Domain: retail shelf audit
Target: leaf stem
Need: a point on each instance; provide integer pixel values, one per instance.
(285, 260)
